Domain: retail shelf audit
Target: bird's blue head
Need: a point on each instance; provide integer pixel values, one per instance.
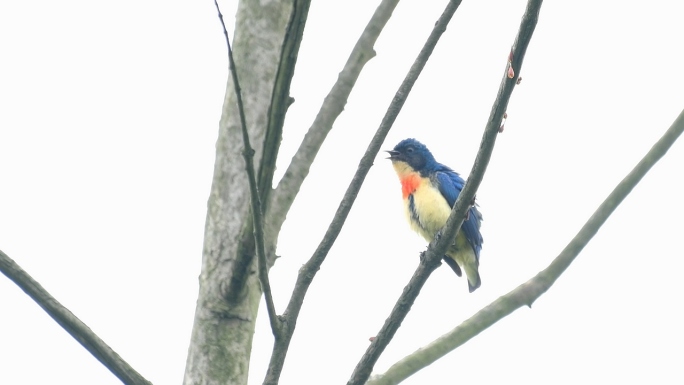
(413, 153)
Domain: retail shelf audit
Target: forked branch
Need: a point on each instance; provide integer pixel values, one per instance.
(257, 215)
(283, 197)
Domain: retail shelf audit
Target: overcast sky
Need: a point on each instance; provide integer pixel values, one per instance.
(108, 119)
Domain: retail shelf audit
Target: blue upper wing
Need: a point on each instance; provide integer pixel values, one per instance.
(450, 185)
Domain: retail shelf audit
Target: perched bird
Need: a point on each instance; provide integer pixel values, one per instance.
(430, 190)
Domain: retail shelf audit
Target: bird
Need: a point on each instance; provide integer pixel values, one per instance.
(429, 190)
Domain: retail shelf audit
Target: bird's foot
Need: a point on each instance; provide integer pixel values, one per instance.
(438, 234)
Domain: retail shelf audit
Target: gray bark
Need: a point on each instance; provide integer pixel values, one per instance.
(229, 291)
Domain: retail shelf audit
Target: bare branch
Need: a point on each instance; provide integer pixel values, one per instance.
(280, 99)
(528, 292)
(332, 107)
(308, 271)
(258, 221)
(74, 326)
(431, 259)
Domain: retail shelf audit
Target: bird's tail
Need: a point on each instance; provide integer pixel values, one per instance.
(473, 276)
(468, 263)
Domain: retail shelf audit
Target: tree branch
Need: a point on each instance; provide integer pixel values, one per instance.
(280, 99)
(431, 259)
(74, 326)
(308, 271)
(332, 107)
(258, 221)
(529, 291)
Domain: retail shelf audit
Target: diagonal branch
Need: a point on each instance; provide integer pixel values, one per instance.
(74, 326)
(528, 292)
(431, 259)
(308, 271)
(258, 220)
(508, 82)
(332, 107)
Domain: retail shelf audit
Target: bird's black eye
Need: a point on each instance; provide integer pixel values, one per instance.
(409, 150)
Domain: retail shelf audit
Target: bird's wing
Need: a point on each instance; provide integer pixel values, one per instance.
(450, 185)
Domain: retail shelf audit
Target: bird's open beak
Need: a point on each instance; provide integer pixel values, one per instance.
(393, 154)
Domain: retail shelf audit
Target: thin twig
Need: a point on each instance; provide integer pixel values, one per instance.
(74, 326)
(436, 249)
(528, 292)
(332, 106)
(258, 221)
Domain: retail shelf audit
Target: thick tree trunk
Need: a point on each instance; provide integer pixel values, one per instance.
(229, 292)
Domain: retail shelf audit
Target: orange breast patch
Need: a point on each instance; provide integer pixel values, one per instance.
(409, 184)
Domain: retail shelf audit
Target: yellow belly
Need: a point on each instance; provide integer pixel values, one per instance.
(431, 208)
(431, 213)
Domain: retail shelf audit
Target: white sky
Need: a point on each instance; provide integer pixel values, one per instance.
(108, 119)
